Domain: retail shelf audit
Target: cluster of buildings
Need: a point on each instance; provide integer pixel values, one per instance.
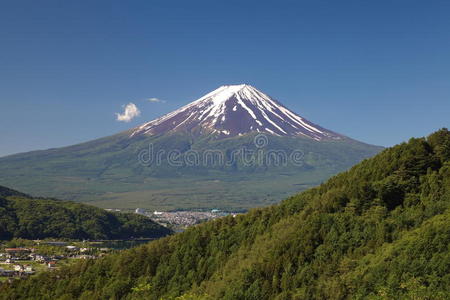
(11, 258)
(182, 219)
(19, 262)
(13, 254)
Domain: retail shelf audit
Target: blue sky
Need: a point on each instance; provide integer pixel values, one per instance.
(377, 71)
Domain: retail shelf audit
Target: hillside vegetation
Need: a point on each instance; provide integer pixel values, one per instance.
(22, 216)
(378, 231)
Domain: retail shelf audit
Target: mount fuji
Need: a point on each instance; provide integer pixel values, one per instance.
(234, 110)
(187, 159)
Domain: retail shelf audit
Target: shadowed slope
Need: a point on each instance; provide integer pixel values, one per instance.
(22, 216)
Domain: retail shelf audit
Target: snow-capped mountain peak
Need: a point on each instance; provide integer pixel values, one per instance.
(234, 110)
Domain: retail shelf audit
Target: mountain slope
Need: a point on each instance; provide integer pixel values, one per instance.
(379, 231)
(22, 216)
(210, 140)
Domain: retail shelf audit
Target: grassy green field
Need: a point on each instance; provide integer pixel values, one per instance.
(221, 192)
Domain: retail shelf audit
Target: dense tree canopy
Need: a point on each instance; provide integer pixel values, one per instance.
(22, 216)
(378, 231)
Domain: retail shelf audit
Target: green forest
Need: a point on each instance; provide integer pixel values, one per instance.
(22, 216)
(380, 230)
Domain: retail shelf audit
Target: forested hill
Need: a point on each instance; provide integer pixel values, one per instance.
(378, 231)
(22, 216)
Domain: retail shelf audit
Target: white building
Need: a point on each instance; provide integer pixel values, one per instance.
(140, 211)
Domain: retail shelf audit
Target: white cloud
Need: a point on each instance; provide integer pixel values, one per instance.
(155, 100)
(130, 112)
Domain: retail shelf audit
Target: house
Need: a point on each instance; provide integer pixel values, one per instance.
(51, 264)
(29, 269)
(41, 258)
(18, 251)
(18, 268)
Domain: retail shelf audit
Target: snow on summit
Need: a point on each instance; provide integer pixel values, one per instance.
(234, 110)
